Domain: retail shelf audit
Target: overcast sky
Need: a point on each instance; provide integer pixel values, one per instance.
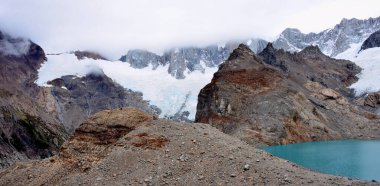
(114, 26)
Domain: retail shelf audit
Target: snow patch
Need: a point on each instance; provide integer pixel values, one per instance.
(249, 42)
(351, 53)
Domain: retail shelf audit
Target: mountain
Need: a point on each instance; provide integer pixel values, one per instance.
(278, 97)
(176, 98)
(365, 54)
(129, 147)
(188, 59)
(28, 130)
(36, 120)
(331, 41)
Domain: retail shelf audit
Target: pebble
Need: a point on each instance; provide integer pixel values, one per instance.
(183, 158)
(246, 167)
(148, 180)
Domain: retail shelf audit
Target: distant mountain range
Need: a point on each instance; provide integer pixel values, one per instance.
(331, 41)
(188, 59)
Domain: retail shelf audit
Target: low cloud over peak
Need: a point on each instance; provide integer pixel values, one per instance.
(113, 27)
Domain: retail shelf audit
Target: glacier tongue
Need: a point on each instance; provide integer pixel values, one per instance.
(369, 78)
(158, 86)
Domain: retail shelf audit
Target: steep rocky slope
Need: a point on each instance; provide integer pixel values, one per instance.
(331, 41)
(188, 59)
(278, 97)
(27, 130)
(76, 98)
(372, 41)
(129, 147)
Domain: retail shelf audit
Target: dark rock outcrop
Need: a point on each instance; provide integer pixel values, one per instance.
(87, 54)
(278, 97)
(142, 58)
(372, 41)
(76, 98)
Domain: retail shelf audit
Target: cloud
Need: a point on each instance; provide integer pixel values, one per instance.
(13, 46)
(113, 27)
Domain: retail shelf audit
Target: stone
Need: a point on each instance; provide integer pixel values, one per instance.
(246, 167)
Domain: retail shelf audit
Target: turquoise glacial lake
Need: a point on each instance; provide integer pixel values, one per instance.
(357, 159)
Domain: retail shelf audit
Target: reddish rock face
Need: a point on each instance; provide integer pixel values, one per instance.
(92, 138)
(278, 97)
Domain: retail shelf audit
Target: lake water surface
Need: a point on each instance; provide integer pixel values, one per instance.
(359, 159)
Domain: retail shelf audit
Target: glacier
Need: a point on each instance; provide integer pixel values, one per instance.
(157, 86)
(369, 61)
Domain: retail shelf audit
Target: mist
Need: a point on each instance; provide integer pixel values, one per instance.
(113, 27)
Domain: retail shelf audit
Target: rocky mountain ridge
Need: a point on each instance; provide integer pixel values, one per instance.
(331, 41)
(278, 97)
(187, 59)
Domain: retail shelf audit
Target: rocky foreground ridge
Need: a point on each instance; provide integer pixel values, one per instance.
(127, 146)
(277, 97)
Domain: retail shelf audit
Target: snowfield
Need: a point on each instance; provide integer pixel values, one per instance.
(369, 61)
(157, 86)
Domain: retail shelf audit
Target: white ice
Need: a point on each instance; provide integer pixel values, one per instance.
(158, 85)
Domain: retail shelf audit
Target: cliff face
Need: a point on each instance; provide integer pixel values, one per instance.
(129, 147)
(27, 130)
(278, 97)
